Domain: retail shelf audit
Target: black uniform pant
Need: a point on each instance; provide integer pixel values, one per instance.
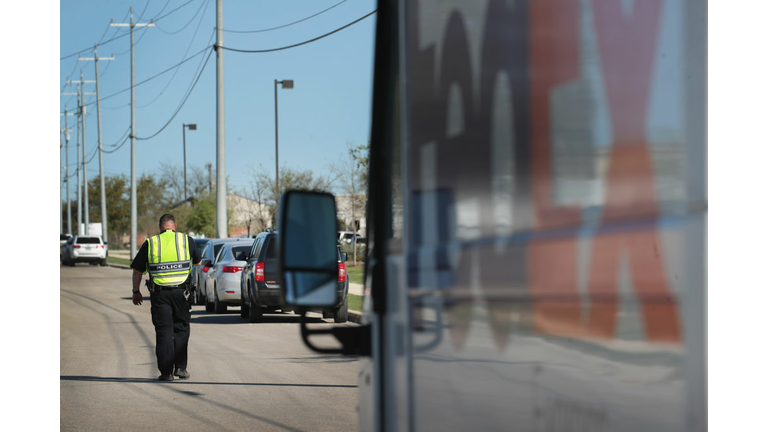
(170, 316)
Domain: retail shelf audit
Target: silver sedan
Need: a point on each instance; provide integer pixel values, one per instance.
(222, 282)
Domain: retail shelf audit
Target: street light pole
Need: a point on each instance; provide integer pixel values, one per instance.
(287, 84)
(184, 127)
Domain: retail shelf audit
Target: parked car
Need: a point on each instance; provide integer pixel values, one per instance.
(260, 290)
(339, 311)
(208, 255)
(201, 243)
(222, 282)
(88, 249)
(346, 237)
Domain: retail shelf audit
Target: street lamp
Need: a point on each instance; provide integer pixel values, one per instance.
(287, 84)
(184, 127)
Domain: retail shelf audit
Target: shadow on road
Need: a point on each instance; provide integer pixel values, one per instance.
(233, 317)
(154, 380)
(325, 358)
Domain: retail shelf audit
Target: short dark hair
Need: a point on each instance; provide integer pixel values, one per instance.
(166, 218)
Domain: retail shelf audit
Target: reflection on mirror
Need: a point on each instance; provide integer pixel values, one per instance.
(307, 248)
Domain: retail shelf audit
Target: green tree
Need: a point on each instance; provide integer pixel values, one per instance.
(116, 191)
(202, 218)
(351, 178)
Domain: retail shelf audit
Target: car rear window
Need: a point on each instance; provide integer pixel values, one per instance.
(240, 252)
(88, 240)
(271, 249)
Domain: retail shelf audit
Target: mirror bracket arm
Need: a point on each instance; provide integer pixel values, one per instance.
(355, 341)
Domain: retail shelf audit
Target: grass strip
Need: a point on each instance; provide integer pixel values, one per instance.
(119, 261)
(355, 273)
(354, 302)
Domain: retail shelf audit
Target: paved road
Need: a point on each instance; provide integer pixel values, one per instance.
(244, 376)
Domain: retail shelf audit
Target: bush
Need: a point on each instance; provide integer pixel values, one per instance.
(361, 251)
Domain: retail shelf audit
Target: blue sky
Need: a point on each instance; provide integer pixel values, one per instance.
(328, 108)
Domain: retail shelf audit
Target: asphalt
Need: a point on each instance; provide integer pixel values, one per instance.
(244, 376)
(354, 288)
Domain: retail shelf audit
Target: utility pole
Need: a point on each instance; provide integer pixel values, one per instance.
(221, 178)
(66, 168)
(79, 195)
(82, 194)
(86, 207)
(61, 185)
(79, 191)
(210, 181)
(134, 213)
(96, 59)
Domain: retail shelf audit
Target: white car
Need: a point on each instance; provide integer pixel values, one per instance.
(208, 256)
(88, 249)
(222, 281)
(346, 237)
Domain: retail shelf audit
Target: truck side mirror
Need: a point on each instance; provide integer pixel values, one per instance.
(307, 256)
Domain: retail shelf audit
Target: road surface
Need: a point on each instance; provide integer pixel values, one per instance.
(243, 376)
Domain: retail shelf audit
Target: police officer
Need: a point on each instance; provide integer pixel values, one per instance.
(168, 257)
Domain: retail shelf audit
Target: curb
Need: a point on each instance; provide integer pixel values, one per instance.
(354, 316)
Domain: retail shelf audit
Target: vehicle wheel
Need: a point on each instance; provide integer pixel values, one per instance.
(208, 305)
(340, 314)
(255, 313)
(218, 306)
(72, 263)
(103, 262)
(244, 307)
(93, 263)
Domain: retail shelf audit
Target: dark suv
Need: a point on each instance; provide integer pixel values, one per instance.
(259, 288)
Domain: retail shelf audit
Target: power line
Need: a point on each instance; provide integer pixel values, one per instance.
(141, 36)
(160, 93)
(158, 19)
(184, 101)
(121, 137)
(188, 23)
(123, 35)
(118, 147)
(153, 77)
(145, 9)
(301, 43)
(285, 25)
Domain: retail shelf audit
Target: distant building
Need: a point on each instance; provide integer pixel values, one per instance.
(345, 213)
(248, 216)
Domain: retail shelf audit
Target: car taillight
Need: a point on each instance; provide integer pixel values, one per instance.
(101, 246)
(77, 246)
(342, 272)
(205, 269)
(260, 272)
(231, 269)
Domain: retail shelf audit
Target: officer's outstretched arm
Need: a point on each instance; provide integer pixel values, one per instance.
(137, 298)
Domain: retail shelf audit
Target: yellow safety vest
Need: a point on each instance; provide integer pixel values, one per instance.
(169, 258)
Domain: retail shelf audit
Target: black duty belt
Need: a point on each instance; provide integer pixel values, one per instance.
(168, 288)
